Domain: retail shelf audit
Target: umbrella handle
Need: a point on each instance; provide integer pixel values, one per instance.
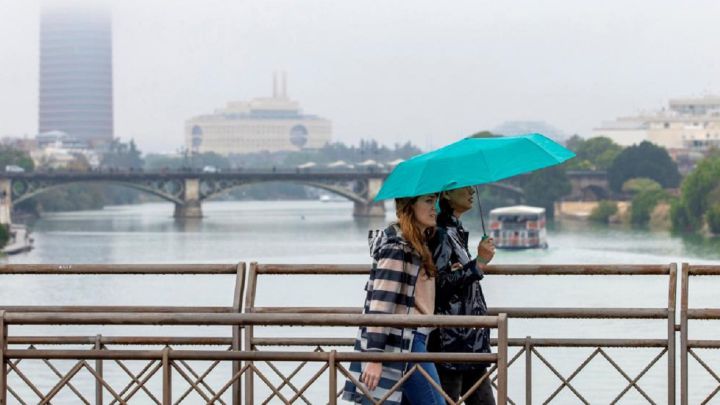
(482, 219)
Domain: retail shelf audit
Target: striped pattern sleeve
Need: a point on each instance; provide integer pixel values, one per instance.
(387, 295)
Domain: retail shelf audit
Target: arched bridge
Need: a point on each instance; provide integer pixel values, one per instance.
(187, 190)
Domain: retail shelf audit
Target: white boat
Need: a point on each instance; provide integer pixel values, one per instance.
(518, 227)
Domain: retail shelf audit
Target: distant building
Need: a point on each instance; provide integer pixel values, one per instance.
(688, 124)
(263, 124)
(526, 127)
(76, 90)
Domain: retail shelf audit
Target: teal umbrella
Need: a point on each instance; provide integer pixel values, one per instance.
(470, 162)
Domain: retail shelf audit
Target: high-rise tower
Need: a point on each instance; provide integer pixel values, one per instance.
(76, 90)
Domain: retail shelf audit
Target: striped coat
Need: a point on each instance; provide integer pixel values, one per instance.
(390, 290)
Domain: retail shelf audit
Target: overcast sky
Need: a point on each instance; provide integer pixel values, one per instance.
(424, 71)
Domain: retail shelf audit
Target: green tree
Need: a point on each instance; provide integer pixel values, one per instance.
(4, 235)
(544, 187)
(699, 191)
(17, 157)
(713, 218)
(592, 154)
(643, 204)
(122, 156)
(643, 160)
(604, 210)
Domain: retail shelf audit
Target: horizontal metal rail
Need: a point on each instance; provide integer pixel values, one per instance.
(116, 308)
(506, 270)
(117, 269)
(242, 355)
(45, 318)
(513, 312)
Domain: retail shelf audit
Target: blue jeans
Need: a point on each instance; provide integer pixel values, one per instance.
(416, 389)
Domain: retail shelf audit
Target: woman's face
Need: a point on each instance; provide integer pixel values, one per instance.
(424, 211)
(461, 199)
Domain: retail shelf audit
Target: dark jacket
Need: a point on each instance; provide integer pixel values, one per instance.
(457, 292)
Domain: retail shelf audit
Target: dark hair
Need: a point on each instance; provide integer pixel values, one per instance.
(446, 210)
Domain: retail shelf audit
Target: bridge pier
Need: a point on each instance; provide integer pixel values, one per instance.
(369, 209)
(6, 201)
(191, 206)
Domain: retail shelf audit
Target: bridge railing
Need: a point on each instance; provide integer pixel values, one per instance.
(695, 352)
(528, 346)
(532, 347)
(170, 362)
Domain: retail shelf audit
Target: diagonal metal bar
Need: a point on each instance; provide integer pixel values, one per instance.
(103, 382)
(135, 380)
(475, 386)
(60, 384)
(69, 384)
(310, 382)
(709, 370)
(229, 383)
(566, 382)
(517, 356)
(398, 384)
(187, 378)
(200, 379)
(286, 381)
(436, 386)
(25, 379)
(357, 383)
(633, 382)
(269, 384)
(15, 394)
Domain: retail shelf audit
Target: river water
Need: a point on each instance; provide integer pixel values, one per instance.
(316, 232)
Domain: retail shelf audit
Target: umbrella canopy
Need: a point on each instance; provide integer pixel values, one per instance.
(470, 162)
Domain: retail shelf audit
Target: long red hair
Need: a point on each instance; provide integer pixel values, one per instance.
(411, 232)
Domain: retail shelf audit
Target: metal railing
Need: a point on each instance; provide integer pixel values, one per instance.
(166, 361)
(528, 345)
(531, 347)
(690, 348)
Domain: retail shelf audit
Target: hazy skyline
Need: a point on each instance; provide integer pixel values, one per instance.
(424, 71)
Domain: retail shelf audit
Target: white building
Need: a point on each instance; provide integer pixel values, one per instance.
(262, 124)
(691, 123)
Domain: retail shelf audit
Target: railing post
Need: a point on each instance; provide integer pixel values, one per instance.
(684, 291)
(99, 371)
(236, 331)
(672, 297)
(332, 379)
(249, 305)
(3, 360)
(167, 377)
(502, 360)
(528, 371)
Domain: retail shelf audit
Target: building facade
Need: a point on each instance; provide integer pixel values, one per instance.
(263, 124)
(687, 124)
(76, 90)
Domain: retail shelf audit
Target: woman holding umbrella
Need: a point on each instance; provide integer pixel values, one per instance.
(458, 292)
(401, 282)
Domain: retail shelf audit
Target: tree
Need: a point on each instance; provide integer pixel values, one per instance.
(594, 154)
(17, 157)
(484, 134)
(699, 191)
(604, 210)
(122, 156)
(643, 160)
(544, 187)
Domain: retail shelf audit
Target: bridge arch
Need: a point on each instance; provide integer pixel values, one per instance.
(333, 188)
(161, 190)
